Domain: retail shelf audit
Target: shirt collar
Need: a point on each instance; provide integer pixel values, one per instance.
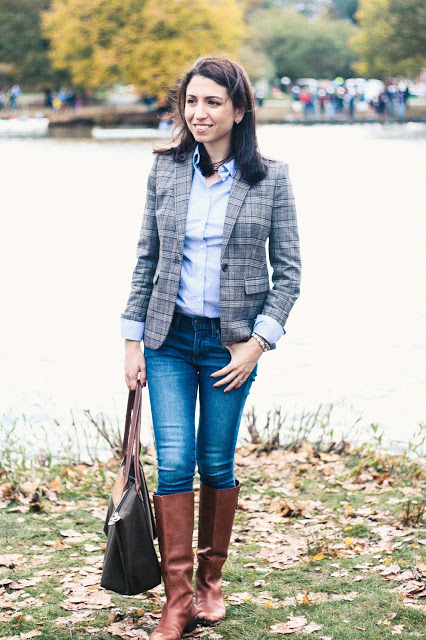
(225, 170)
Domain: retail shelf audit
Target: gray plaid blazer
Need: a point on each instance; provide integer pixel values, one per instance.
(255, 214)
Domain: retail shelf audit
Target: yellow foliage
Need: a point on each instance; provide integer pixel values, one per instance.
(145, 43)
(176, 33)
(85, 38)
(370, 41)
(391, 39)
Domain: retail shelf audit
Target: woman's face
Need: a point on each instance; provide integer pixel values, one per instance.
(209, 112)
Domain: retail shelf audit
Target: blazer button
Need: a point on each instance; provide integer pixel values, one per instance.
(177, 260)
(225, 267)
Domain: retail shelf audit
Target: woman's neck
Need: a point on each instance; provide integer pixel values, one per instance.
(218, 152)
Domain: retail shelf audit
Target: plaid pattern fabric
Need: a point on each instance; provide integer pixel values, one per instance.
(255, 214)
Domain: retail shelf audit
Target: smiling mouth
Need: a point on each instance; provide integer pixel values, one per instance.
(202, 127)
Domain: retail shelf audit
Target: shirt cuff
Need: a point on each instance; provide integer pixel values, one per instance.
(268, 328)
(132, 329)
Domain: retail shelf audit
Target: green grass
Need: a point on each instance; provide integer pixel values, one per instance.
(334, 545)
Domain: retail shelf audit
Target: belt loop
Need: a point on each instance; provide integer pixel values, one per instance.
(177, 319)
(215, 327)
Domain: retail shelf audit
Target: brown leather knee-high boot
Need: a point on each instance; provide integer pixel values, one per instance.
(175, 524)
(216, 518)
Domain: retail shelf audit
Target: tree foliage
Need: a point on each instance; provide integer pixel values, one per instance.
(146, 43)
(22, 44)
(392, 39)
(343, 9)
(299, 47)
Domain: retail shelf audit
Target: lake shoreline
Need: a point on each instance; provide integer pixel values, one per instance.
(137, 115)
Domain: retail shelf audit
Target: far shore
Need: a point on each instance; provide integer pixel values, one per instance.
(271, 112)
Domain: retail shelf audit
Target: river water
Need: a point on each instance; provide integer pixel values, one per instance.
(71, 210)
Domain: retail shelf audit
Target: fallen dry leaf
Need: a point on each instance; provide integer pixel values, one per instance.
(294, 625)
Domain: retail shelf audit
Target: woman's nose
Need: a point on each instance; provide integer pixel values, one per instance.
(200, 111)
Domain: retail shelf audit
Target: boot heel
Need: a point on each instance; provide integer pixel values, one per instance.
(208, 623)
(190, 626)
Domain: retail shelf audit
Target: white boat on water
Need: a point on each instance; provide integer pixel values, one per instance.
(131, 133)
(23, 126)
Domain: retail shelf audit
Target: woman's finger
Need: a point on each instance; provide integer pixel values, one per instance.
(226, 379)
(131, 380)
(223, 371)
(235, 384)
(235, 376)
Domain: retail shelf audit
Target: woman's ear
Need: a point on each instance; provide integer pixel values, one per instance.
(239, 115)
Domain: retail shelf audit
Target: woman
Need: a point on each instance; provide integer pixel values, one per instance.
(201, 302)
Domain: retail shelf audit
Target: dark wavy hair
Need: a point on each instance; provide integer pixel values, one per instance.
(244, 147)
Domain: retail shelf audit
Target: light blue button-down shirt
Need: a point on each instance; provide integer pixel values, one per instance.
(198, 293)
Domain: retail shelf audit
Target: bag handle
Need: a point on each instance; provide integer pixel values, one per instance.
(131, 439)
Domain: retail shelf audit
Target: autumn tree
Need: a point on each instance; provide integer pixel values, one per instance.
(392, 40)
(146, 43)
(300, 47)
(343, 9)
(23, 49)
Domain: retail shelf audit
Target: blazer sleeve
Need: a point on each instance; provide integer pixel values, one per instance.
(147, 256)
(284, 252)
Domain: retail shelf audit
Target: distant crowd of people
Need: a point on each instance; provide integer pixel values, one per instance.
(56, 100)
(62, 99)
(9, 97)
(334, 100)
(391, 101)
(325, 98)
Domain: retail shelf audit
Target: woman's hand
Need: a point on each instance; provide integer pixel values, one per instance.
(134, 364)
(244, 356)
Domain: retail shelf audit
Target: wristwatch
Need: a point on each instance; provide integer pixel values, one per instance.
(263, 343)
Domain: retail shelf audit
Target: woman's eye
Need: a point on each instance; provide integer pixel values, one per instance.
(213, 103)
(190, 101)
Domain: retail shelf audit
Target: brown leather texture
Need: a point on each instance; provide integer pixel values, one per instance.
(175, 524)
(216, 519)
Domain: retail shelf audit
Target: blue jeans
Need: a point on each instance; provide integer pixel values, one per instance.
(175, 372)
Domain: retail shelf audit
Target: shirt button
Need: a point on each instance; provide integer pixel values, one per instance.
(198, 299)
(225, 267)
(200, 273)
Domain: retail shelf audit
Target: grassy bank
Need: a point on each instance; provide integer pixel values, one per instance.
(329, 541)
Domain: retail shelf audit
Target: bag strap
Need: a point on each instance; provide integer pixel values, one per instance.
(131, 440)
(130, 403)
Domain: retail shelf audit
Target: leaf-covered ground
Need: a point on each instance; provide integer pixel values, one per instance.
(325, 544)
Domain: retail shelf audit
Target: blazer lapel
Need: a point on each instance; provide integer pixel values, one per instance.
(183, 182)
(238, 192)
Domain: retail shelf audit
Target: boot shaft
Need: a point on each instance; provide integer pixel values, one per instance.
(175, 526)
(216, 519)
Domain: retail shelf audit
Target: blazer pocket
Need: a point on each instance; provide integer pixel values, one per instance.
(256, 285)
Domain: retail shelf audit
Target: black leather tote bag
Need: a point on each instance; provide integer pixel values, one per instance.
(130, 562)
